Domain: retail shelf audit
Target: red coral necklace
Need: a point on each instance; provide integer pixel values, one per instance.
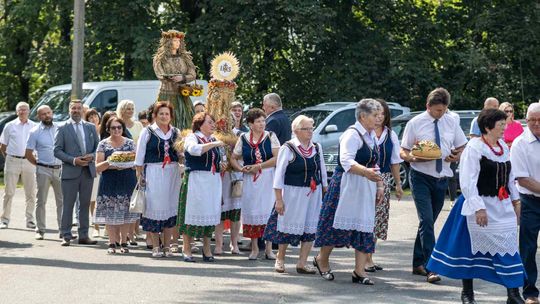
(491, 148)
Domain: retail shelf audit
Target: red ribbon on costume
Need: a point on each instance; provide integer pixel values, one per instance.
(312, 186)
(307, 153)
(258, 155)
(503, 194)
(166, 158)
(213, 167)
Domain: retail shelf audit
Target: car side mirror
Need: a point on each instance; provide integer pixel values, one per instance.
(330, 129)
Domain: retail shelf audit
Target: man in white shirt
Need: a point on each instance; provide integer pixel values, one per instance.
(525, 158)
(13, 146)
(429, 178)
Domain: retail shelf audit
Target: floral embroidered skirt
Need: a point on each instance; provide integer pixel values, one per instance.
(157, 226)
(231, 215)
(190, 230)
(273, 235)
(253, 231)
(382, 210)
(327, 235)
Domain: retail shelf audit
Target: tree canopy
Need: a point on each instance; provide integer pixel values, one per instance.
(306, 51)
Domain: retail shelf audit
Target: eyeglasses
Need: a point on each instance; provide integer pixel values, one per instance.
(116, 128)
(508, 111)
(307, 129)
(533, 120)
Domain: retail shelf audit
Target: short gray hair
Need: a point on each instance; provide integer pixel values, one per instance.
(273, 98)
(21, 104)
(297, 122)
(533, 108)
(366, 106)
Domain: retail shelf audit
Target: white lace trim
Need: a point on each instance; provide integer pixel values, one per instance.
(351, 223)
(159, 215)
(255, 219)
(493, 243)
(297, 228)
(203, 220)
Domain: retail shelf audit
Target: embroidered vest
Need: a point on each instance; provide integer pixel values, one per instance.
(203, 162)
(385, 153)
(492, 176)
(155, 148)
(248, 153)
(301, 170)
(365, 156)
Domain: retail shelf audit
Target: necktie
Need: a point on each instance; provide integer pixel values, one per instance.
(438, 162)
(80, 137)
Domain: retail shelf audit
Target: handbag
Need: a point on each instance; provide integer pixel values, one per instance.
(138, 199)
(236, 188)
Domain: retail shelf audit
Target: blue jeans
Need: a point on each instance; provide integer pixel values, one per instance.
(428, 193)
(528, 236)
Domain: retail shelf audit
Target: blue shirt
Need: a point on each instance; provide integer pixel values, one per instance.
(475, 129)
(41, 140)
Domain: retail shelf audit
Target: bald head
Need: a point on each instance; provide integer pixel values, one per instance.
(491, 103)
(45, 115)
(43, 108)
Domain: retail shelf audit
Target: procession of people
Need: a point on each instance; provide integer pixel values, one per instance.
(270, 183)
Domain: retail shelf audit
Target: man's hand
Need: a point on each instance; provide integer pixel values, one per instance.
(79, 161)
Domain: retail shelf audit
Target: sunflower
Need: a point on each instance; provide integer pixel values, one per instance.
(196, 92)
(185, 92)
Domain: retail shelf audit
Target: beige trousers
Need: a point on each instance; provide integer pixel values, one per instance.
(13, 169)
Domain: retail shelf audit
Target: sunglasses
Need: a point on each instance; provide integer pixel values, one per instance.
(116, 128)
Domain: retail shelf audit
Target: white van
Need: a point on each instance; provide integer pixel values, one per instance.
(104, 96)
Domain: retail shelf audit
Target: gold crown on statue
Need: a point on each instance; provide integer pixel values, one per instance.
(173, 34)
(225, 66)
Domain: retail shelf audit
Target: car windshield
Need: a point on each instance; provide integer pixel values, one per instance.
(465, 124)
(58, 101)
(317, 115)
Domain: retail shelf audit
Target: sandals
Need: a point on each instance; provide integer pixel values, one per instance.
(156, 253)
(307, 269)
(189, 259)
(327, 275)
(271, 256)
(279, 267)
(174, 248)
(361, 280)
(111, 249)
(124, 248)
(209, 259)
(167, 252)
(373, 268)
(132, 242)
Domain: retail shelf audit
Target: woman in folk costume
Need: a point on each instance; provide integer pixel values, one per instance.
(480, 236)
(389, 163)
(157, 166)
(299, 183)
(199, 210)
(348, 213)
(173, 66)
(258, 149)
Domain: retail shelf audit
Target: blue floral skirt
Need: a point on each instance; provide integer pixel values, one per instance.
(273, 235)
(157, 226)
(327, 235)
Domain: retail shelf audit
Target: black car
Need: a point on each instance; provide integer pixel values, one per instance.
(5, 117)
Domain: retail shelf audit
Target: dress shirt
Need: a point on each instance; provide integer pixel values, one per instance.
(350, 143)
(41, 140)
(475, 129)
(422, 127)
(15, 135)
(526, 159)
(145, 137)
(285, 156)
(192, 145)
(76, 127)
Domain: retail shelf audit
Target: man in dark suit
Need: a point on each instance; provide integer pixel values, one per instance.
(75, 144)
(276, 120)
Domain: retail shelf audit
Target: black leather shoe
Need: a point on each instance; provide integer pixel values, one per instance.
(87, 241)
(65, 242)
(467, 297)
(513, 296)
(420, 270)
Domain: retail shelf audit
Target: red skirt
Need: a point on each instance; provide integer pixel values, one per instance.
(253, 231)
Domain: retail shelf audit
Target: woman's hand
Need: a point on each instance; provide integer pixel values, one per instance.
(218, 143)
(251, 169)
(399, 191)
(481, 218)
(379, 196)
(280, 207)
(223, 166)
(372, 174)
(178, 78)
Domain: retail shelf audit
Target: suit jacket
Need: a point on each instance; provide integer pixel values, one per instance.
(280, 124)
(66, 148)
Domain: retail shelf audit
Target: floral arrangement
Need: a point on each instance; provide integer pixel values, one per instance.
(173, 34)
(227, 84)
(191, 90)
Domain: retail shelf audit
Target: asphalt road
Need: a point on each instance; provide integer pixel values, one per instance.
(44, 272)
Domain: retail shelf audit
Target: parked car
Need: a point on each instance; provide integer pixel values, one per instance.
(5, 117)
(104, 96)
(333, 118)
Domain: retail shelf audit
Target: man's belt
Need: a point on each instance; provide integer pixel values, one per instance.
(50, 166)
(19, 157)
